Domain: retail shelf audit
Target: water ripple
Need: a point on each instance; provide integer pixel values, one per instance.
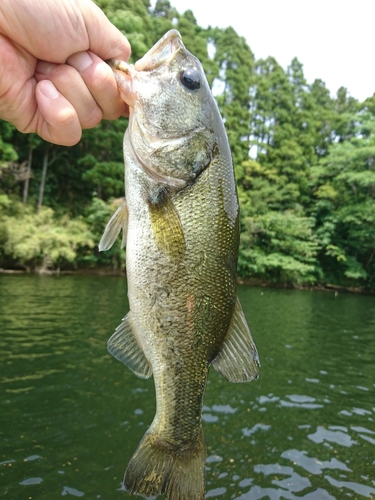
(72, 416)
(333, 434)
(313, 465)
(361, 489)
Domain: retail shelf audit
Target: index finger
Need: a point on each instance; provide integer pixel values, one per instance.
(105, 40)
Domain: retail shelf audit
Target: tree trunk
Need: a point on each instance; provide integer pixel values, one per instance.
(43, 179)
(28, 173)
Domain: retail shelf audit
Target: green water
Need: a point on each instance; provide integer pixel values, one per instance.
(71, 416)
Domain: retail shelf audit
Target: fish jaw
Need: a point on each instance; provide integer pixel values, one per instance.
(124, 74)
(161, 52)
(174, 127)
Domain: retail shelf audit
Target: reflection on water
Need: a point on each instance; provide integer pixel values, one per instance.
(71, 416)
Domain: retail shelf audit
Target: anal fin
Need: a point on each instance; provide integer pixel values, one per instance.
(124, 346)
(118, 221)
(238, 358)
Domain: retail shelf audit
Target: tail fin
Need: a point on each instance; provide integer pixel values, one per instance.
(155, 469)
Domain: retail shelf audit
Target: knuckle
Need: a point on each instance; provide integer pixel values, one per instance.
(67, 130)
(92, 119)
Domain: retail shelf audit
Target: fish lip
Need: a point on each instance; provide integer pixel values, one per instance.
(162, 52)
(124, 74)
(123, 67)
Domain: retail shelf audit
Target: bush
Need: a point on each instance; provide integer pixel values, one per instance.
(39, 240)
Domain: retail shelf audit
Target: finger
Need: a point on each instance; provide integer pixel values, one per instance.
(56, 120)
(105, 39)
(100, 80)
(62, 28)
(17, 84)
(70, 84)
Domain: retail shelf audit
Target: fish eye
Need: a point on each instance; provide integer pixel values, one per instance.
(191, 79)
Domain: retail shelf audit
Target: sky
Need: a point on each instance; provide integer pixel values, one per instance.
(333, 39)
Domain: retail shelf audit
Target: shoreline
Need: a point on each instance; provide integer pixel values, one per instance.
(319, 288)
(56, 272)
(241, 281)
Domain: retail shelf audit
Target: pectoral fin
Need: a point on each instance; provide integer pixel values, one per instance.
(118, 221)
(166, 227)
(124, 346)
(238, 358)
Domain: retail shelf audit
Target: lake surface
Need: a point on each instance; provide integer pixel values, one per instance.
(71, 415)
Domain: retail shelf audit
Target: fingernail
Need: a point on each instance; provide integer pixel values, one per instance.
(48, 89)
(80, 61)
(44, 67)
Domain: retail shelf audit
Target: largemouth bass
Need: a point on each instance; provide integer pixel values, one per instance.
(180, 225)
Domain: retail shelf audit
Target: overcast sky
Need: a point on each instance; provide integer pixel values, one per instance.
(334, 40)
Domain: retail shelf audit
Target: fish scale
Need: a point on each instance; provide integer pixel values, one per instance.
(180, 224)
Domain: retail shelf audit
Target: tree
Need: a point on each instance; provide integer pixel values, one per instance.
(38, 240)
(133, 19)
(101, 159)
(50, 155)
(279, 247)
(304, 163)
(235, 76)
(164, 16)
(345, 206)
(8, 154)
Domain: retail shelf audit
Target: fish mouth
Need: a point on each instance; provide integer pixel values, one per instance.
(124, 74)
(162, 52)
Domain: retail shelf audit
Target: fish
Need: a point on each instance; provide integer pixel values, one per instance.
(180, 226)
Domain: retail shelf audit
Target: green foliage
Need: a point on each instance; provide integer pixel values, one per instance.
(108, 176)
(304, 163)
(39, 240)
(279, 247)
(235, 63)
(8, 156)
(163, 17)
(344, 183)
(7, 151)
(133, 19)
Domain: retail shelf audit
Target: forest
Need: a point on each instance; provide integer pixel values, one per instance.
(304, 164)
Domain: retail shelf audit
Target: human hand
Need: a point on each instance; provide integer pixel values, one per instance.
(53, 78)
